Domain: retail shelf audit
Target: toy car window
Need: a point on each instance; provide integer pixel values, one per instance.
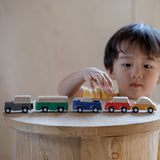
(144, 101)
(22, 99)
(86, 99)
(120, 100)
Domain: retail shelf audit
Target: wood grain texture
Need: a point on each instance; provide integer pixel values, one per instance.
(40, 147)
(142, 146)
(133, 147)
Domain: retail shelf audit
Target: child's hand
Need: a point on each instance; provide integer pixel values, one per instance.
(99, 77)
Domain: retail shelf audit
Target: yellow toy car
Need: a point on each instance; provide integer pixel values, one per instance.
(143, 103)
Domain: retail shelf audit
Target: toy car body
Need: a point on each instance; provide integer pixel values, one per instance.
(46, 103)
(86, 103)
(20, 102)
(118, 103)
(143, 103)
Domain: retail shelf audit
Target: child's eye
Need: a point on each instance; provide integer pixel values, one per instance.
(147, 66)
(126, 65)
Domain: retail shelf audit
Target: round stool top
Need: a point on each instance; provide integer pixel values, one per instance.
(75, 124)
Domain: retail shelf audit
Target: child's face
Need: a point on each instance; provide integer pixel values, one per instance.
(136, 74)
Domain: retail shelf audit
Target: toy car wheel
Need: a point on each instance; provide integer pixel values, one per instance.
(25, 110)
(79, 109)
(111, 109)
(95, 109)
(123, 109)
(60, 109)
(150, 110)
(135, 109)
(45, 109)
(8, 110)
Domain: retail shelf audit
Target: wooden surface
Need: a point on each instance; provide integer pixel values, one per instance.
(85, 136)
(132, 147)
(83, 124)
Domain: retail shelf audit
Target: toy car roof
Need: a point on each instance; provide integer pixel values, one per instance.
(22, 99)
(120, 99)
(52, 99)
(83, 99)
(144, 100)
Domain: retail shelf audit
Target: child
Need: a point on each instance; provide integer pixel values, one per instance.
(132, 58)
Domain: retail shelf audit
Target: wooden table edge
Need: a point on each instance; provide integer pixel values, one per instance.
(80, 131)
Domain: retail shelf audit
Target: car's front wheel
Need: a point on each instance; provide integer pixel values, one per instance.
(123, 109)
(60, 109)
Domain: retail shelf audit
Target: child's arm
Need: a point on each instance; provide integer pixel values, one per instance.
(71, 85)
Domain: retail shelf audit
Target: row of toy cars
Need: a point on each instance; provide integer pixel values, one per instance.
(60, 103)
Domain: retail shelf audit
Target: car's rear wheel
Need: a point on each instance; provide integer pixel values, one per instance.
(95, 109)
(111, 109)
(45, 109)
(150, 110)
(79, 109)
(8, 110)
(135, 109)
(25, 110)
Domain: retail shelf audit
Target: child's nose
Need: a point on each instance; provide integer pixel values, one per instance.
(136, 76)
(136, 73)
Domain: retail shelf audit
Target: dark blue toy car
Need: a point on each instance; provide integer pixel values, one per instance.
(86, 103)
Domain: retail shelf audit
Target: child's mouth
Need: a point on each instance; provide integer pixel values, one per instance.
(136, 85)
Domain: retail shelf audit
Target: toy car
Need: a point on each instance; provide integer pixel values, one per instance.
(143, 103)
(46, 103)
(118, 103)
(86, 103)
(20, 102)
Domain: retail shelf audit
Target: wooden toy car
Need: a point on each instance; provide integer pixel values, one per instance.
(46, 103)
(86, 103)
(118, 103)
(20, 102)
(143, 103)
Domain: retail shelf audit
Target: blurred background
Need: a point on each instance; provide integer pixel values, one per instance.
(42, 41)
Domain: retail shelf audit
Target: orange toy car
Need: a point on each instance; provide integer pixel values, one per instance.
(143, 103)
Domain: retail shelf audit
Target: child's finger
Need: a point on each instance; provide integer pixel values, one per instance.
(109, 80)
(108, 90)
(105, 81)
(107, 85)
(97, 79)
(91, 84)
(89, 80)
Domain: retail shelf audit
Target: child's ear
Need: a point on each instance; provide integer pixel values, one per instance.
(111, 74)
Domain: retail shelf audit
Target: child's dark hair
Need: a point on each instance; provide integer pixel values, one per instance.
(140, 35)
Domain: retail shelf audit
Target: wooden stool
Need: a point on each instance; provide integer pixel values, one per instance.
(85, 136)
